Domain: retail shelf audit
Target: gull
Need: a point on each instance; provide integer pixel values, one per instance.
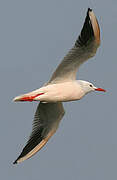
(62, 87)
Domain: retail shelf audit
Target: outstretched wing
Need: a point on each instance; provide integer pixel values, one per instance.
(45, 124)
(85, 47)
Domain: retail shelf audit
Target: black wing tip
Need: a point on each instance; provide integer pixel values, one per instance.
(87, 32)
(89, 10)
(32, 142)
(15, 162)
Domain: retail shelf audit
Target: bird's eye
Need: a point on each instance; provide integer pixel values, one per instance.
(90, 85)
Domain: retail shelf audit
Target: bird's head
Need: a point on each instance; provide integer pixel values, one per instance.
(88, 87)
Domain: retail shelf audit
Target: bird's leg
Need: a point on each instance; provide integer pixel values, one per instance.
(27, 97)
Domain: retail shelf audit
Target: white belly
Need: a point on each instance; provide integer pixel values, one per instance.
(68, 91)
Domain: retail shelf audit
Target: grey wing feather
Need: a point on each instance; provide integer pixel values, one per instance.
(46, 119)
(84, 48)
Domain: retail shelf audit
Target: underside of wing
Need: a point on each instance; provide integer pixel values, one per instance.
(45, 124)
(85, 47)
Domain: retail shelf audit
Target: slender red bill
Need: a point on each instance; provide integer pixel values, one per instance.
(100, 89)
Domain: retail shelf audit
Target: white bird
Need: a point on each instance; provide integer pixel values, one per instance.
(62, 87)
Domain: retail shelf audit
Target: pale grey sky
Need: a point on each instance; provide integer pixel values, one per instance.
(35, 36)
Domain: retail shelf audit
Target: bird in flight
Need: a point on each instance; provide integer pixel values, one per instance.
(62, 87)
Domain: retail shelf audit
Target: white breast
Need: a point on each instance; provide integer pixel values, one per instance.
(67, 91)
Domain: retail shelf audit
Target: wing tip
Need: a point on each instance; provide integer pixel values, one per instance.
(15, 162)
(89, 10)
(95, 25)
(90, 30)
(23, 157)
